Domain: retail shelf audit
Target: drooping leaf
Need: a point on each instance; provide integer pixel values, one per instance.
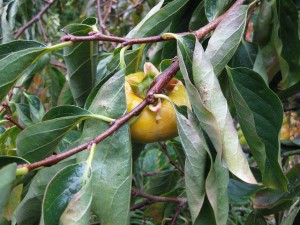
(63, 189)
(40, 140)
(260, 115)
(28, 211)
(213, 98)
(195, 150)
(8, 175)
(112, 161)
(81, 61)
(226, 38)
(16, 57)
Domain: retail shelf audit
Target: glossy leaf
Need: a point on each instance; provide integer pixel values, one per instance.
(29, 209)
(8, 175)
(19, 55)
(40, 140)
(195, 150)
(36, 107)
(81, 61)
(214, 100)
(78, 209)
(214, 8)
(157, 19)
(260, 115)
(226, 38)
(63, 189)
(6, 160)
(112, 161)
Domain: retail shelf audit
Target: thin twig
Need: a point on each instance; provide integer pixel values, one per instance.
(9, 116)
(164, 149)
(34, 19)
(181, 205)
(154, 198)
(141, 205)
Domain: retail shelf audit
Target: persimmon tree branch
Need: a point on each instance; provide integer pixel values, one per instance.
(9, 116)
(34, 19)
(157, 87)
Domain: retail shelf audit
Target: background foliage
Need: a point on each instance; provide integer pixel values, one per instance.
(236, 159)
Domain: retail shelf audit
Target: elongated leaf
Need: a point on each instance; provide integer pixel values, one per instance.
(78, 209)
(288, 33)
(112, 161)
(40, 140)
(29, 209)
(195, 150)
(62, 189)
(8, 175)
(226, 38)
(16, 58)
(157, 22)
(6, 160)
(214, 8)
(81, 61)
(213, 98)
(36, 107)
(260, 115)
(13, 202)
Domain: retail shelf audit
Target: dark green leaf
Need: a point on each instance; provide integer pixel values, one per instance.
(18, 58)
(161, 183)
(5, 160)
(63, 189)
(226, 38)
(254, 219)
(260, 115)
(157, 20)
(241, 193)
(245, 55)
(40, 140)
(36, 107)
(23, 111)
(29, 209)
(81, 61)
(198, 19)
(214, 8)
(9, 134)
(58, 81)
(8, 175)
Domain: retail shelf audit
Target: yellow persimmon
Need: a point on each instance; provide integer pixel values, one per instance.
(155, 123)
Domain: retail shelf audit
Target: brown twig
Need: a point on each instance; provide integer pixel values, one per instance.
(160, 82)
(181, 205)
(164, 149)
(141, 205)
(9, 116)
(34, 19)
(153, 198)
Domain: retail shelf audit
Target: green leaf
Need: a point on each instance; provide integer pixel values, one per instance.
(260, 115)
(9, 134)
(8, 175)
(112, 161)
(78, 209)
(226, 38)
(29, 209)
(58, 81)
(161, 183)
(214, 100)
(63, 190)
(23, 111)
(6, 160)
(198, 19)
(13, 202)
(36, 107)
(288, 34)
(157, 21)
(195, 150)
(214, 8)
(81, 61)
(40, 140)
(240, 192)
(254, 219)
(16, 58)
